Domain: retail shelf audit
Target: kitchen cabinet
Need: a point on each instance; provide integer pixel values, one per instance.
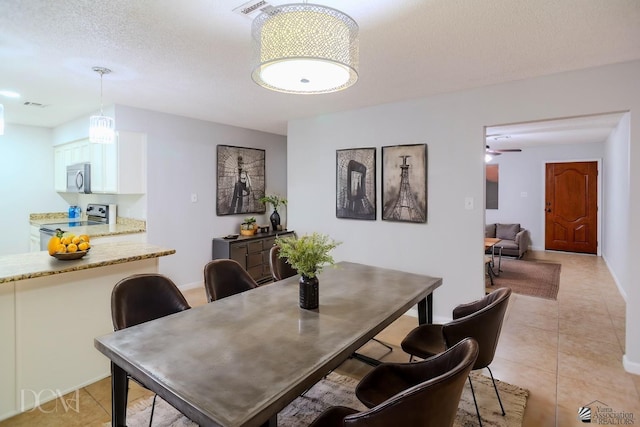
(251, 252)
(65, 155)
(121, 167)
(34, 238)
(118, 168)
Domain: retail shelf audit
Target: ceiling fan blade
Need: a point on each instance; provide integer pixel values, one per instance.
(494, 152)
(508, 150)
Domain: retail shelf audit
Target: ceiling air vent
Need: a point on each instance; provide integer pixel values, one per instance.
(34, 104)
(251, 9)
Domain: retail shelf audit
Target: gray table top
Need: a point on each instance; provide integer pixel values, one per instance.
(240, 360)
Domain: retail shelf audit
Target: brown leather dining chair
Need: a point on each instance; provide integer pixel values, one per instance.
(280, 268)
(422, 394)
(481, 320)
(143, 297)
(226, 277)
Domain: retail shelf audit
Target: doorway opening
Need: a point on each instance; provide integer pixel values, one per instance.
(522, 151)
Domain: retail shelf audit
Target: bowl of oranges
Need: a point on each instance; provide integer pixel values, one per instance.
(65, 246)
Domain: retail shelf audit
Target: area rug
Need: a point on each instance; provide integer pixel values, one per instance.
(338, 389)
(537, 279)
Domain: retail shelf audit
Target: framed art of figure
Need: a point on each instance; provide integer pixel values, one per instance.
(356, 183)
(491, 197)
(240, 180)
(404, 183)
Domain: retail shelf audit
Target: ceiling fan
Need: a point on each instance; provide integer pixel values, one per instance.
(497, 152)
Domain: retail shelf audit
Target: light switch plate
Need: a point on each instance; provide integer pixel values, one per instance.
(468, 203)
(194, 197)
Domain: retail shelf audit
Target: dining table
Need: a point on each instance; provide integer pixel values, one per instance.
(240, 360)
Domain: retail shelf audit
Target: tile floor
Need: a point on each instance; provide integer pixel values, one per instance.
(567, 353)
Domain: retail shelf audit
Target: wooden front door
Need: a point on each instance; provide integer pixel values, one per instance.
(571, 208)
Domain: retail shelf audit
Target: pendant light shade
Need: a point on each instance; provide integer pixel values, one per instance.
(305, 49)
(101, 128)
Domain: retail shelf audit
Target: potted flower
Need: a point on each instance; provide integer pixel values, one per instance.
(249, 226)
(275, 201)
(307, 255)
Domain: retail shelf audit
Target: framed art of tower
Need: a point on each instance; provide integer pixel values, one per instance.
(404, 183)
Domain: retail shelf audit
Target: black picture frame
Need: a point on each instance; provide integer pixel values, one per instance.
(404, 183)
(356, 183)
(240, 180)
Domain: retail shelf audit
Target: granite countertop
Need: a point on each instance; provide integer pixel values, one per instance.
(38, 264)
(122, 225)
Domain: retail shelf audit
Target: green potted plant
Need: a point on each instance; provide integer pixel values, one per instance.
(249, 226)
(275, 201)
(308, 255)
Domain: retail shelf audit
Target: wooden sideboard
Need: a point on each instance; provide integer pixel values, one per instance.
(252, 252)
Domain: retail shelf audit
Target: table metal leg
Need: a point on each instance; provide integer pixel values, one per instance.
(273, 422)
(425, 310)
(119, 390)
(490, 272)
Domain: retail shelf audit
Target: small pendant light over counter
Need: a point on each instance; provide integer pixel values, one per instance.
(101, 128)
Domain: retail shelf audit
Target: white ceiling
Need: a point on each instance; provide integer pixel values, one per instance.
(193, 57)
(572, 130)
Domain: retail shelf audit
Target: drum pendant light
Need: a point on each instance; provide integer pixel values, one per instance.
(305, 48)
(101, 128)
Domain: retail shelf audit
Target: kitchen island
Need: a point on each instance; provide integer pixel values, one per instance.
(50, 312)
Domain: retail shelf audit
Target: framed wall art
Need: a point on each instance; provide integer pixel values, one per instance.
(404, 183)
(240, 180)
(356, 183)
(491, 197)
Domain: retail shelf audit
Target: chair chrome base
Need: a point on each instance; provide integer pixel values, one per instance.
(497, 394)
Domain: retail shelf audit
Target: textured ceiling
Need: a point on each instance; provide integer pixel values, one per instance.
(192, 58)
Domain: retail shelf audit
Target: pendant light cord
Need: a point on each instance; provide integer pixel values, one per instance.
(102, 71)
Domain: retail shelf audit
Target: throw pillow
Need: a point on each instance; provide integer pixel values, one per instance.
(490, 230)
(507, 231)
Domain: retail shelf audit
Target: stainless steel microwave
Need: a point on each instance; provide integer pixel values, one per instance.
(79, 178)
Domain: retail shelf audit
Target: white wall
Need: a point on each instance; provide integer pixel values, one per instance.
(616, 202)
(524, 173)
(181, 160)
(26, 183)
(450, 243)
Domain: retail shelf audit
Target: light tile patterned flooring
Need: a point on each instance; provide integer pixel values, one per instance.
(567, 353)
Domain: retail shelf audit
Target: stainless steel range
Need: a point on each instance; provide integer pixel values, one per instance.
(97, 214)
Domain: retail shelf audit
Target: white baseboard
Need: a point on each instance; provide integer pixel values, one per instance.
(615, 279)
(413, 312)
(192, 285)
(629, 366)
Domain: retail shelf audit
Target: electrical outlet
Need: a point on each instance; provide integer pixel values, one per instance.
(194, 197)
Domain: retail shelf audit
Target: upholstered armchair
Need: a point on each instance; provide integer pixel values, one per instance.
(514, 239)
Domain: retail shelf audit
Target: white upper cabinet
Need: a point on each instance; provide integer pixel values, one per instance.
(118, 168)
(68, 154)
